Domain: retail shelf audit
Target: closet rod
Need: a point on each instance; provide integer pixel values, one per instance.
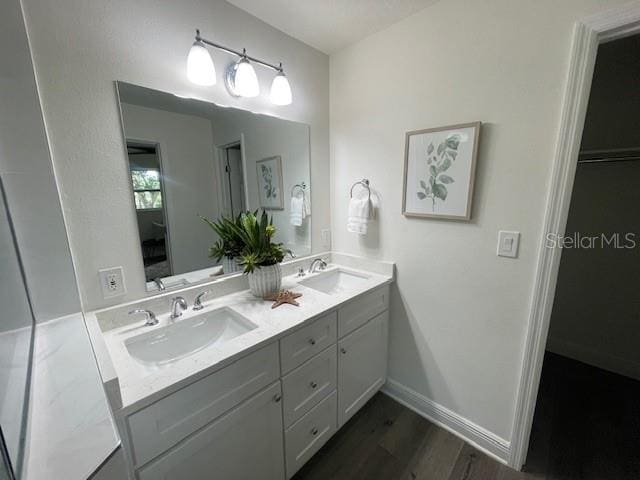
(609, 155)
(608, 159)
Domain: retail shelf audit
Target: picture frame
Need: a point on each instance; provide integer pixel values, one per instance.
(439, 171)
(270, 189)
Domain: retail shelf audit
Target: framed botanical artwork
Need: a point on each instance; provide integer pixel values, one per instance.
(439, 170)
(269, 172)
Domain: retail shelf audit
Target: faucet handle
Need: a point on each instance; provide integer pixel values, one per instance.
(149, 315)
(197, 303)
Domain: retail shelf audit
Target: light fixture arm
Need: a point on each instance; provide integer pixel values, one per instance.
(237, 53)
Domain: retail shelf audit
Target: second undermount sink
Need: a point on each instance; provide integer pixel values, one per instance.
(335, 281)
(188, 336)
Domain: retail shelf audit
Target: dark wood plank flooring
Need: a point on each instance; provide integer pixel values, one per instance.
(586, 427)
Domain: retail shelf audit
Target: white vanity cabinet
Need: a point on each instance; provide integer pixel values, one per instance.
(243, 444)
(266, 414)
(362, 366)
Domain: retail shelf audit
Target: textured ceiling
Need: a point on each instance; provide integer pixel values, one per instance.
(330, 25)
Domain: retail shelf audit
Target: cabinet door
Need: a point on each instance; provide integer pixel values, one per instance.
(362, 366)
(245, 443)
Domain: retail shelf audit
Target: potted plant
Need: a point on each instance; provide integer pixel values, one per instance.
(260, 256)
(229, 245)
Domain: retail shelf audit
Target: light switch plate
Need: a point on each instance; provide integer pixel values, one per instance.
(112, 282)
(508, 243)
(325, 238)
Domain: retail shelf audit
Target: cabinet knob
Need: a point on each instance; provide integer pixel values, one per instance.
(314, 431)
(277, 397)
(313, 384)
(312, 341)
(343, 350)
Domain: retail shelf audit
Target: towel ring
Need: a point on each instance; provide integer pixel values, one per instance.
(302, 186)
(364, 183)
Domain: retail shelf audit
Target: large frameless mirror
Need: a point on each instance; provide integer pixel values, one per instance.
(191, 160)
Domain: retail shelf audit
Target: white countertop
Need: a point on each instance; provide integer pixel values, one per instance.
(137, 384)
(71, 431)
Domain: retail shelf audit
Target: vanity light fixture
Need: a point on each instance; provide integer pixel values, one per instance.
(280, 89)
(240, 77)
(200, 68)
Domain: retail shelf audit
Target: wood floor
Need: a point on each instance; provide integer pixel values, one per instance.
(587, 427)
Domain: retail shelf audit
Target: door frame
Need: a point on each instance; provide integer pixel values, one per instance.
(588, 35)
(221, 158)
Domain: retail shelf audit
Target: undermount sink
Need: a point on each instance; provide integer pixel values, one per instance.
(188, 336)
(334, 281)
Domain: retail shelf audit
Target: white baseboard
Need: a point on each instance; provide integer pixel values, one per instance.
(482, 439)
(596, 358)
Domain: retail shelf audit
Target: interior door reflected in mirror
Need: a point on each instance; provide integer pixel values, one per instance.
(189, 159)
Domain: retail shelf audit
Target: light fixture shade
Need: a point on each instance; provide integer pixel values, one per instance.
(246, 80)
(281, 90)
(200, 68)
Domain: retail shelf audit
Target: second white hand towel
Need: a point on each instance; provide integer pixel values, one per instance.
(359, 215)
(296, 211)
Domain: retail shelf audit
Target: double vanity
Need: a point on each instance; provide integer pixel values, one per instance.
(236, 389)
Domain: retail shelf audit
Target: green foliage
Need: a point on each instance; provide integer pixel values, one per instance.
(229, 244)
(252, 240)
(446, 154)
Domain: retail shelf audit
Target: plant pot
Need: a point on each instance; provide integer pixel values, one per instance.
(265, 280)
(230, 265)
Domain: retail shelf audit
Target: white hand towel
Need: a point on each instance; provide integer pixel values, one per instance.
(296, 211)
(359, 215)
(307, 205)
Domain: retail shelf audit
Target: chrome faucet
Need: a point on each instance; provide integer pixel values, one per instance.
(320, 263)
(197, 303)
(178, 304)
(158, 281)
(151, 319)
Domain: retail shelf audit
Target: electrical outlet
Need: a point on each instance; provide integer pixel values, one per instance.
(112, 282)
(325, 239)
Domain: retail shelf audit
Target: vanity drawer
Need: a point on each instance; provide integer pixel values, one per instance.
(245, 443)
(308, 434)
(308, 384)
(359, 311)
(303, 344)
(174, 417)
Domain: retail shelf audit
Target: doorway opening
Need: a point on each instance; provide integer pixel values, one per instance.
(147, 180)
(232, 178)
(587, 414)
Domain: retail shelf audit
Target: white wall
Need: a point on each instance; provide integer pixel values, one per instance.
(190, 186)
(32, 196)
(81, 47)
(27, 174)
(458, 312)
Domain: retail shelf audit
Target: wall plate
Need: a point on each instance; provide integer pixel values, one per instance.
(508, 243)
(112, 282)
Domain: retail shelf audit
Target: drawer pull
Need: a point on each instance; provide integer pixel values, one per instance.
(343, 350)
(314, 431)
(313, 384)
(312, 341)
(277, 397)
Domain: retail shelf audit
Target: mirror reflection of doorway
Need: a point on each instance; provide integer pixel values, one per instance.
(233, 179)
(145, 167)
